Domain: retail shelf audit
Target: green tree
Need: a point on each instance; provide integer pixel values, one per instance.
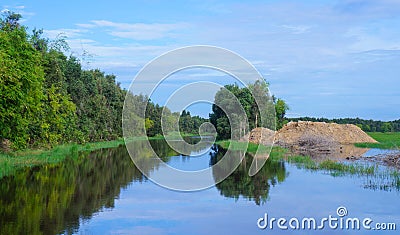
(21, 81)
(280, 108)
(257, 104)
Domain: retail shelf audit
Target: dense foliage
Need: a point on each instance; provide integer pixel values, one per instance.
(254, 101)
(46, 97)
(365, 125)
(190, 124)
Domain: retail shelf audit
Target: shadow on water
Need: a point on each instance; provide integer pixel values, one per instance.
(240, 184)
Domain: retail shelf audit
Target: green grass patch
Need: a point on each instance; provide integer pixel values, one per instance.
(334, 167)
(11, 162)
(243, 146)
(388, 140)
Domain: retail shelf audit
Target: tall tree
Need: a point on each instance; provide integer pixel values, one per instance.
(21, 81)
(258, 106)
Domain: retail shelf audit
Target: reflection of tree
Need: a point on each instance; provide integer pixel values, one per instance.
(53, 198)
(164, 151)
(239, 183)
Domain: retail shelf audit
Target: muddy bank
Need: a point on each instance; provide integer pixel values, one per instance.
(390, 159)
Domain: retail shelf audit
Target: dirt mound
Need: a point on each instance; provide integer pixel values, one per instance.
(315, 139)
(293, 132)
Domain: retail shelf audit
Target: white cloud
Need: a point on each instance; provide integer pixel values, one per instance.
(69, 33)
(297, 29)
(137, 31)
(366, 39)
(88, 26)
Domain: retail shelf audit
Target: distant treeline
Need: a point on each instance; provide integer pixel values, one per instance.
(365, 125)
(47, 98)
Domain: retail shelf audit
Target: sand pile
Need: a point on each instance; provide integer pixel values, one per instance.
(293, 132)
(315, 139)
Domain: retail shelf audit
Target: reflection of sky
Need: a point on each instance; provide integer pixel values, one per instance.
(374, 152)
(145, 208)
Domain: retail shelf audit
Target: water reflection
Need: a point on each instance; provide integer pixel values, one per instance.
(52, 199)
(240, 184)
(56, 198)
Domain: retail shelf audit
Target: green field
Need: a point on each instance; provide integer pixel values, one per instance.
(388, 140)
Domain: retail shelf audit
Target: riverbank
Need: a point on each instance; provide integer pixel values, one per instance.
(14, 161)
(11, 162)
(385, 141)
(281, 154)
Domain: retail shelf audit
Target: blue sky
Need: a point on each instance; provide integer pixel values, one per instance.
(325, 58)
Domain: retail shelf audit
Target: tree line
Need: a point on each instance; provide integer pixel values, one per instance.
(365, 125)
(47, 98)
(158, 120)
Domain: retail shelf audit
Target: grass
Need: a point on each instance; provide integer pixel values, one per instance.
(333, 167)
(243, 146)
(388, 140)
(11, 162)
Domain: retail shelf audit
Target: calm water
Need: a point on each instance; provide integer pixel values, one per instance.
(103, 193)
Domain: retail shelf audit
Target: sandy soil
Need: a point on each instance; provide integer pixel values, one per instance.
(316, 139)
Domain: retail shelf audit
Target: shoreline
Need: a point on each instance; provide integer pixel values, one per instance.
(12, 162)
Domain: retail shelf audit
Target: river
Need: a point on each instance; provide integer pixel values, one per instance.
(102, 192)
